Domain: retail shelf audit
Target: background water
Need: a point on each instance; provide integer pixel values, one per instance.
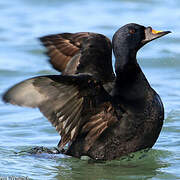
(21, 57)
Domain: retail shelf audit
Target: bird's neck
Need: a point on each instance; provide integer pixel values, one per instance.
(123, 56)
(130, 84)
(128, 74)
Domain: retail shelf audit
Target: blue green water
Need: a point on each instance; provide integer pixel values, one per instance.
(21, 57)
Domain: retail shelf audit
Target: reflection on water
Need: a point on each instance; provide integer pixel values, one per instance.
(21, 57)
(136, 166)
(140, 165)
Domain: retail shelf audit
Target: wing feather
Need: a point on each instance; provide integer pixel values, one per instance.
(84, 52)
(74, 105)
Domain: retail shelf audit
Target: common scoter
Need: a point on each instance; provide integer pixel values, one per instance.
(97, 113)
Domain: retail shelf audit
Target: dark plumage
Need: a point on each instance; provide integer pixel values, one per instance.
(98, 114)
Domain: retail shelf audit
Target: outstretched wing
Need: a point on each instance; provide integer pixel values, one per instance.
(84, 52)
(73, 104)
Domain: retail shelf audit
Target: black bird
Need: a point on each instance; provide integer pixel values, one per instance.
(97, 113)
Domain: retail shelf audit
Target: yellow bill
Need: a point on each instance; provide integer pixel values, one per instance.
(155, 32)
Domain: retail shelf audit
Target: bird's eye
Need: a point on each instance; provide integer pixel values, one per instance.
(132, 31)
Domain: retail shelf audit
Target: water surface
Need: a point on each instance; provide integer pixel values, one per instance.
(21, 57)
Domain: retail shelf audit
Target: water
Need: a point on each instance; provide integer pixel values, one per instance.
(21, 57)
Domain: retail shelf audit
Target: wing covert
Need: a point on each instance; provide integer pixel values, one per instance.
(65, 101)
(84, 52)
